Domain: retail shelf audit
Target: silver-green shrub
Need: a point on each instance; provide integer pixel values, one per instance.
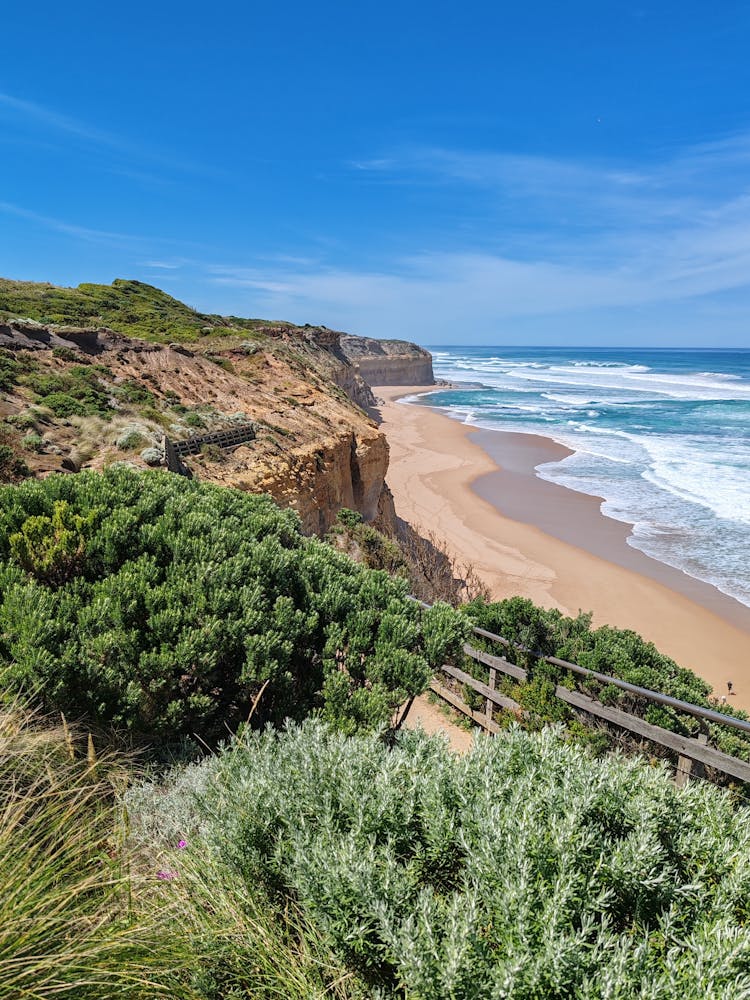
(526, 869)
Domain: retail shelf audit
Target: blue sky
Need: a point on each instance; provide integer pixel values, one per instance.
(537, 173)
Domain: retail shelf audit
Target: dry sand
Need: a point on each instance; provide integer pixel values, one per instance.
(535, 539)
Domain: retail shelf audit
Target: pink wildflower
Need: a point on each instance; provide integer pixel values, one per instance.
(166, 876)
(182, 845)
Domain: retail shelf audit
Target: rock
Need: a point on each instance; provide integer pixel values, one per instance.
(152, 456)
(388, 362)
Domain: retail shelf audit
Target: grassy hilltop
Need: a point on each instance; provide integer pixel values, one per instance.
(129, 307)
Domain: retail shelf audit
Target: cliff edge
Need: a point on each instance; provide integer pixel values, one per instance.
(100, 373)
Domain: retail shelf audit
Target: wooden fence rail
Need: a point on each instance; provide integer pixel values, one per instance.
(689, 750)
(175, 451)
(227, 438)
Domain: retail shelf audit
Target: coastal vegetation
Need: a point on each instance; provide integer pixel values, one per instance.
(130, 307)
(315, 852)
(303, 847)
(526, 869)
(538, 632)
(304, 864)
(87, 915)
(163, 607)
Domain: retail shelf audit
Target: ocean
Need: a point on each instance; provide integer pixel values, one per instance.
(663, 436)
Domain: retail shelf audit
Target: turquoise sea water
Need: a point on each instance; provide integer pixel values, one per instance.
(662, 435)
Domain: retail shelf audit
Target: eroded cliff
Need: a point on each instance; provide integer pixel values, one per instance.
(84, 399)
(388, 362)
(85, 394)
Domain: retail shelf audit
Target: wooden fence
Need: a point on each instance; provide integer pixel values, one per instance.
(175, 451)
(689, 750)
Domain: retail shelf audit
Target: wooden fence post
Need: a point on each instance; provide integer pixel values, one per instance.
(488, 703)
(685, 764)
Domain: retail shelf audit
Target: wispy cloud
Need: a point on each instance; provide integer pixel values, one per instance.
(71, 229)
(163, 265)
(696, 179)
(37, 118)
(132, 242)
(561, 239)
(36, 113)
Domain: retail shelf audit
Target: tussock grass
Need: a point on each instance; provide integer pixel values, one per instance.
(248, 947)
(84, 916)
(66, 926)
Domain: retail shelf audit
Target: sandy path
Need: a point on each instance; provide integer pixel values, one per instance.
(433, 467)
(424, 715)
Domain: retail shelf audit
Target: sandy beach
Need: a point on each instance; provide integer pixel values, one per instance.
(478, 492)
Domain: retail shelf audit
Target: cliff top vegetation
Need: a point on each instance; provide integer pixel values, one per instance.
(130, 307)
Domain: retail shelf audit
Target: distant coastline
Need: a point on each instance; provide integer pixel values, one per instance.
(478, 491)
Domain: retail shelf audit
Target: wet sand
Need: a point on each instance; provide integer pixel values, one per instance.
(478, 492)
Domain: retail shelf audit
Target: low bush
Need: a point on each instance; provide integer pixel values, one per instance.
(526, 869)
(13, 366)
(76, 391)
(165, 606)
(212, 453)
(33, 442)
(131, 440)
(12, 467)
(132, 391)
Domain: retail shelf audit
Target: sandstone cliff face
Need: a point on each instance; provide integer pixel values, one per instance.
(306, 388)
(388, 362)
(341, 470)
(316, 450)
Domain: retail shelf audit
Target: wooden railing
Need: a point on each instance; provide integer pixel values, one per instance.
(175, 451)
(690, 750)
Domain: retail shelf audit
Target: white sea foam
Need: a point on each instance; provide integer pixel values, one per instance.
(668, 450)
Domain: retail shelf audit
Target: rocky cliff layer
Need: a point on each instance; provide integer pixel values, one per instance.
(388, 362)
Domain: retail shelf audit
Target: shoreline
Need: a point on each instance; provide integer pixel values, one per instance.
(478, 491)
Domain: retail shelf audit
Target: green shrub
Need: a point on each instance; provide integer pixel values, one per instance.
(371, 546)
(349, 518)
(164, 606)
(13, 366)
(526, 869)
(68, 354)
(76, 391)
(24, 421)
(52, 549)
(212, 453)
(193, 419)
(33, 442)
(223, 363)
(132, 391)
